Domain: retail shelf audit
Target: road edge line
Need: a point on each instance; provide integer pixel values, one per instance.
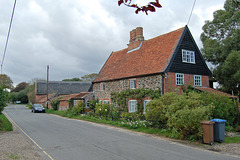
(12, 121)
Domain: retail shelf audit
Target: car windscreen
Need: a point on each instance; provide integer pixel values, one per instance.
(38, 105)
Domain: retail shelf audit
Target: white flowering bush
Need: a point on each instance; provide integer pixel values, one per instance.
(102, 109)
(136, 124)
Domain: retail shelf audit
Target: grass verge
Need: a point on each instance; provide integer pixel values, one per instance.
(29, 106)
(232, 139)
(5, 125)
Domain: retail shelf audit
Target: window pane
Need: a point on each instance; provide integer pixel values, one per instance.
(197, 80)
(179, 79)
(132, 106)
(188, 56)
(132, 84)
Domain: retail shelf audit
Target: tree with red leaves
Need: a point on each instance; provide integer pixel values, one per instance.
(149, 7)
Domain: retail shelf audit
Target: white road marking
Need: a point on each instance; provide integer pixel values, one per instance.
(28, 136)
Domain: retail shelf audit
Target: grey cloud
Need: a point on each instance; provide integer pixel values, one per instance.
(76, 38)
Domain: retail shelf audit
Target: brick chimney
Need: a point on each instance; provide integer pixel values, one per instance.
(132, 36)
(139, 34)
(136, 37)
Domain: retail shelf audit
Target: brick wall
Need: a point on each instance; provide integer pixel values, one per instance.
(63, 105)
(147, 82)
(170, 82)
(40, 99)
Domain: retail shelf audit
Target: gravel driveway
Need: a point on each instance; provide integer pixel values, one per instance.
(16, 146)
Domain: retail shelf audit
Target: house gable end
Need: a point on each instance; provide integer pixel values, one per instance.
(178, 66)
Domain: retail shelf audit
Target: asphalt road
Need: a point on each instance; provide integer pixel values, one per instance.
(65, 139)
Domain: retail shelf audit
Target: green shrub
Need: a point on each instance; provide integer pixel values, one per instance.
(102, 109)
(157, 109)
(76, 110)
(93, 104)
(132, 116)
(224, 107)
(55, 104)
(179, 113)
(188, 121)
(115, 112)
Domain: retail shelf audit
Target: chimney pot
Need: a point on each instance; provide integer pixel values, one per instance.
(139, 34)
(132, 36)
(136, 35)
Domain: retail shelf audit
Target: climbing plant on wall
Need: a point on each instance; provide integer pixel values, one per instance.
(121, 98)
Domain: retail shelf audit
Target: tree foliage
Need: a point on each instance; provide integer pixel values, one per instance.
(87, 77)
(221, 38)
(3, 98)
(72, 79)
(6, 81)
(20, 86)
(149, 7)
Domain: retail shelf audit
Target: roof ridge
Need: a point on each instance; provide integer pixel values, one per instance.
(155, 54)
(182, 28)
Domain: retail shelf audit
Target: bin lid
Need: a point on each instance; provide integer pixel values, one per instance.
(218, 120)
(207, 122)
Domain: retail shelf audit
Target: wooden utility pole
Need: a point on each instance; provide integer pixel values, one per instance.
(47, 84)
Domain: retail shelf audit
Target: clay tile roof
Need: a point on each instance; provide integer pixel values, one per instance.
(74, 96)
(152, 57)
(214, 91)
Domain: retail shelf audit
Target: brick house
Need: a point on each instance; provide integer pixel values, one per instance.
(59, 88)
(167, 62)
(75, 99)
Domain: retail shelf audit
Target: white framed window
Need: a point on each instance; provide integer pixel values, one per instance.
(145, 102)
(74, 102)
(100, 101)
(132, 106)
(87, 104)
(106, 101)
(132, 83)
(188, 56)
(102, 86)
(179, 78)
(197, 80)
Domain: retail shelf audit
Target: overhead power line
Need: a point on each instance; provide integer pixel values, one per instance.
(191, 12)
(9, 30)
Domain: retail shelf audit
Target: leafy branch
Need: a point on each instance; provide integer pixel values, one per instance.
(149, 7)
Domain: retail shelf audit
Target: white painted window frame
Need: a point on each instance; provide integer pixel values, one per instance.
(197, 80)
(188, 56)
(145, 102)
(106, 102)
(74, 102)
(102, 86)
(87, 104)
(132, 83)
(179, 79)
(132, 106)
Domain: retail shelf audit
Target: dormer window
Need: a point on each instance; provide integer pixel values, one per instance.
(188, 56)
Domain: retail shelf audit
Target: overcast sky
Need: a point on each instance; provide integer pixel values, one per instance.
(75, 37)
